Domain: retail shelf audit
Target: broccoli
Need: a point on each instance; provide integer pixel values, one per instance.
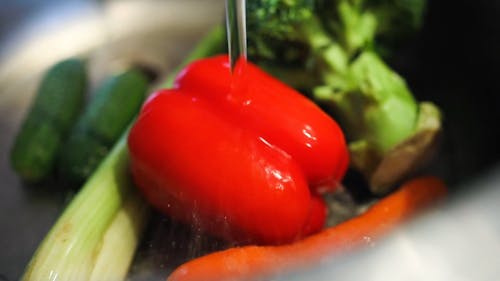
(281, 37)
(329, 49)
(395, 21)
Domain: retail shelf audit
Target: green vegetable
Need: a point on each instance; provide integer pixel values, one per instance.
(70, 249)
(112, 108)
(120, 240)
(322, 37)
(57, 104)
(386, 24)
(106, 210)
(335, 44)
(374, 105)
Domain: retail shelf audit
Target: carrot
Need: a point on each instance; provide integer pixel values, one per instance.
(259, 262)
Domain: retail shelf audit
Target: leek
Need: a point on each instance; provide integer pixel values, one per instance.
(70, 250)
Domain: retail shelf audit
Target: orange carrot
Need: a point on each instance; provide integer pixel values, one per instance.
(258, 262)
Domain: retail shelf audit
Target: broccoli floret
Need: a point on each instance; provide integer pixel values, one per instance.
(272, 33)
(334, 52)
(380, 24)
(287, 31)
(284, 34)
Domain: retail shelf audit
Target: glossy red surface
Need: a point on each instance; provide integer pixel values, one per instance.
(279, 114)
(236, 158)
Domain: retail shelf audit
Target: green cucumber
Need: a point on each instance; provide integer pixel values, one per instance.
(110, 111)
(58, 101)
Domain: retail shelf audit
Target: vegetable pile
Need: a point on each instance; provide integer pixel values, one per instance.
(59, 143)
(239, 155)
(56, 137)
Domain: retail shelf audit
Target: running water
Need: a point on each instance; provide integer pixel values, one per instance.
(236, 30)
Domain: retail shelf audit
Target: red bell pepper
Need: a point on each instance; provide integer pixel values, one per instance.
(241, 156)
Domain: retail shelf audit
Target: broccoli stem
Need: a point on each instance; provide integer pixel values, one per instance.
(374, 105)
(106, 209)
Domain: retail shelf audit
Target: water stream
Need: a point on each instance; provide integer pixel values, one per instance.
(236, 30)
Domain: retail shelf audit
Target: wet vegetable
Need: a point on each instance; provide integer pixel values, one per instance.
(241, 157)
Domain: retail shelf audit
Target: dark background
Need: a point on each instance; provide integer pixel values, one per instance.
(454, 62)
